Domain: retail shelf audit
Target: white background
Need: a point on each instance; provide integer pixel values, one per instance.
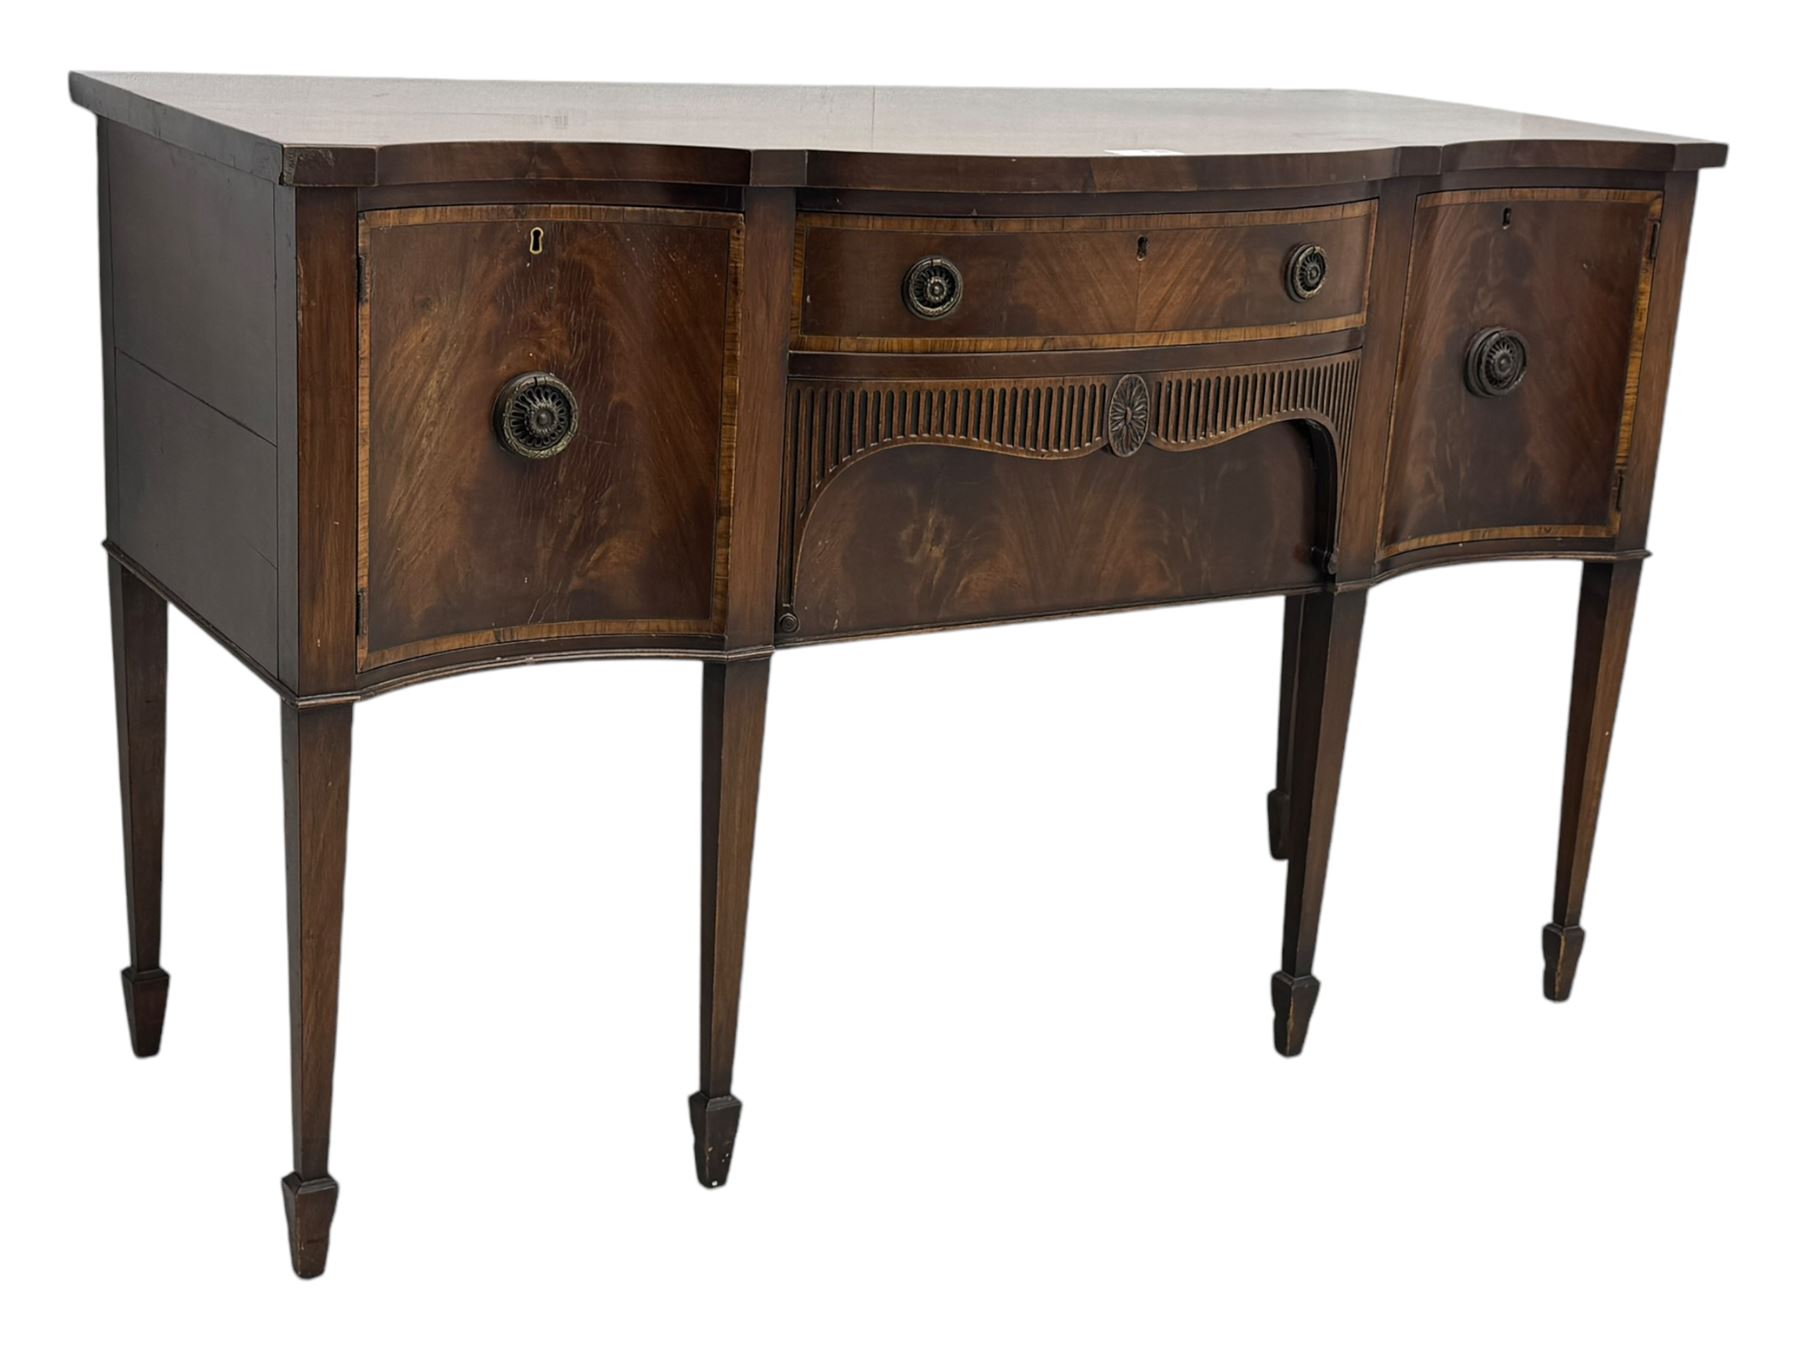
(1006, 1053)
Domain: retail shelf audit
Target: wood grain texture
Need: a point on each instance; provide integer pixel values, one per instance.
(1032, 539)
(355, 133)
(626, 531)
(1366, 454)
(1658, 358)
(929, 535)
(754, 489)
(1568, 269)
(315, 761)
(324, 501)
(189, 327)
(1077, 282)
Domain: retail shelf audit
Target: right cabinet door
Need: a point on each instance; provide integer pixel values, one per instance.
(1523, 333)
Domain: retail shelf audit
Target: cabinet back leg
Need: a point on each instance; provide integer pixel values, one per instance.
(315, 761)
(140, 631)
(1330, 633)
(1280, 798)
(735, 696)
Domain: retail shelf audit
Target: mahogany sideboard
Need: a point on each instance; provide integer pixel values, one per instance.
(410, 378)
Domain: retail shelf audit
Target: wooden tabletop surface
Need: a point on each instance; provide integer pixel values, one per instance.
(307, 130)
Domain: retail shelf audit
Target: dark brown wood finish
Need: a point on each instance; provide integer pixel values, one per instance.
(1602, 634)
(326, 132)
(315, 762)
(1078, 282)
(1281, 795)
(755, 490)
(1569, 270)
(1330, 634)
(140, 624)
(624, 531)
(313, 289)
(322, 463)
(891, 524)
(736, 694)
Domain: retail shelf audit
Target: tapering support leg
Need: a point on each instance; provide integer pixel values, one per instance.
(140, 625)
(1602, 634)
(1281, 797)
(1330, 631)
(736, 693)
(315, 761)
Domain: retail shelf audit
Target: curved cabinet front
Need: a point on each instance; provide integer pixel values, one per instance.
(546, 436)
(1059, 283)
(1524, 330)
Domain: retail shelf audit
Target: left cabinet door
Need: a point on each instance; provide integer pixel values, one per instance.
(592, 499)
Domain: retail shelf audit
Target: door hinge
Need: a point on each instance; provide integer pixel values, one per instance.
(1655, 237)
(362, 609)
(362, 285)
(1618, 492)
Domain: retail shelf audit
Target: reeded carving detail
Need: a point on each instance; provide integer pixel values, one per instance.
(831, 424)
(1128, 416)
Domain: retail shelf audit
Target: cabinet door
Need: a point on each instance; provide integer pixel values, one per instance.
(602, 510)
(1518, 368)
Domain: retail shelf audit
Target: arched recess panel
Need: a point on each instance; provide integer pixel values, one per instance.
(916, 505)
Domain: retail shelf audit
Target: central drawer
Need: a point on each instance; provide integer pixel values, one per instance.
(929, 284)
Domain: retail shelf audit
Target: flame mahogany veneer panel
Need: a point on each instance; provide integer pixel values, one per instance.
(1570, 271)
(465, 544)
(1054, 283)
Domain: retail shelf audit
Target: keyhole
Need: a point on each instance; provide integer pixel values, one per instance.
(1506, 219)
(537, 240)
(1143, 247)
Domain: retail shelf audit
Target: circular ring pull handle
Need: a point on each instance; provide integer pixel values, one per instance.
(1495, 363)
(535, 415)
(1305, 271)
(932, 288)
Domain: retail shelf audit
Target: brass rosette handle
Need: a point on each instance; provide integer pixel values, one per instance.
(932, 287)
(536, 415)
(1306, 268)
(1494, 365)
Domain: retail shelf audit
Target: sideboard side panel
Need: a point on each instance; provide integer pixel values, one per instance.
(192, 475)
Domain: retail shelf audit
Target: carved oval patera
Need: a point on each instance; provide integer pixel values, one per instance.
(1128, 415)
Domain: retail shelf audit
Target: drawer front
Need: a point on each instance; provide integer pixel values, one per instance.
(899, 284)
(499, 509)
(920, 503)
(1519, 359)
